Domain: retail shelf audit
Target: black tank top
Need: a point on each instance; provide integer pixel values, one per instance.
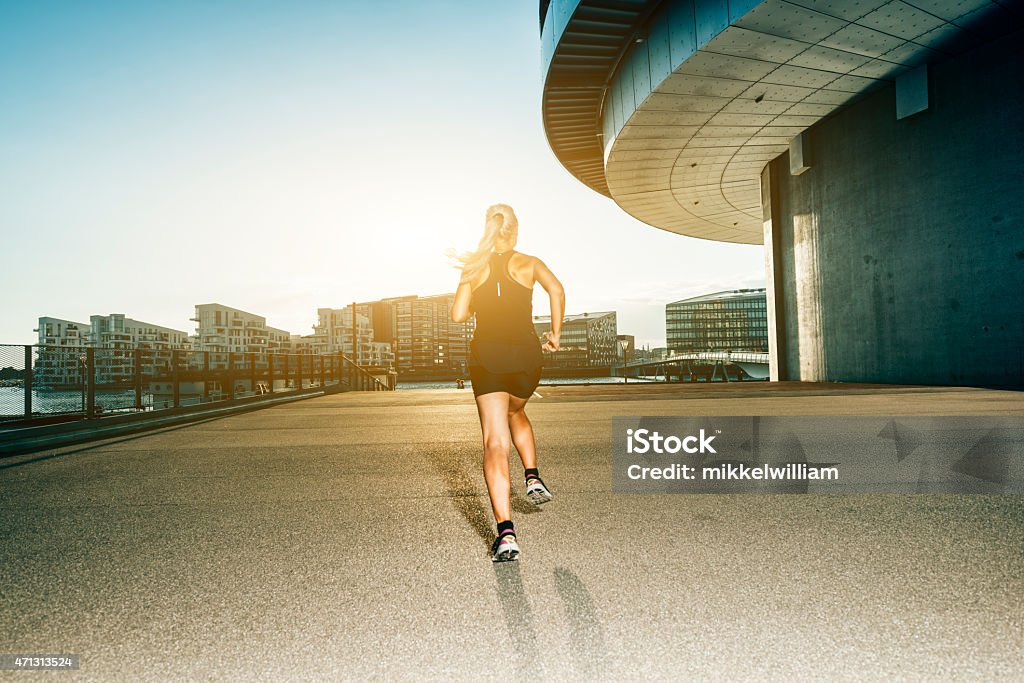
(505, 339)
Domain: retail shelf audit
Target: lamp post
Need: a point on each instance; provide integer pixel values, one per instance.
(624, 344)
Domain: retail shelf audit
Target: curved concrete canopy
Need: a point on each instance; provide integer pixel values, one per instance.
(706, 92)
(582, 43)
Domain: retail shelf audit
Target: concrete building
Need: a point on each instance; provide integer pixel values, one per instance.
(427, 343)
(60, 332)
(117, 331)
(413, 335)
(278, 340)
(301, 343)
(735, 320)
(116, 337)
(873, 147)
(588, 340)
(333, 334)
(113, 338)
(220, 329)
(61, 344)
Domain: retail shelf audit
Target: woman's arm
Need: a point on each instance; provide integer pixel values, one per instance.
(556, 295)
(460, 307)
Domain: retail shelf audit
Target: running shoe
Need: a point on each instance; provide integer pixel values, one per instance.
(536, 491)
(505, 548)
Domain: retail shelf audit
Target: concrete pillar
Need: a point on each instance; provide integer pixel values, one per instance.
(773, 278)
(897, 255)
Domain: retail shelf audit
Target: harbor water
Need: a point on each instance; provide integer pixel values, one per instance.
(12, 401)
(404, 386)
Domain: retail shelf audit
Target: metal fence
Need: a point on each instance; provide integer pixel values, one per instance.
(78, 381)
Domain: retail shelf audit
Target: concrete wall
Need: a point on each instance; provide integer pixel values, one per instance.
(899, 255)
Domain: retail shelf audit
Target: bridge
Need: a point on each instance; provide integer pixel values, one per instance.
(697, 364)
(345, 537)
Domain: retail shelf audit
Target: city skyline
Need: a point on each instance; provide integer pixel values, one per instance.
(267, 156)
(313, 326)
(412, 336)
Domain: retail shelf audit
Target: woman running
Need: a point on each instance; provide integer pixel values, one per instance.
(505, 359)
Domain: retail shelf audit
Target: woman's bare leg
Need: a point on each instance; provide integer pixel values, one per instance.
(493, 409)
(522, 435)
(522, 431)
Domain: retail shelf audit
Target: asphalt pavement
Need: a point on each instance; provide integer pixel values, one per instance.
(346, 537)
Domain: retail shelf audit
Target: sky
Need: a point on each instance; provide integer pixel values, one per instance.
(280, 157)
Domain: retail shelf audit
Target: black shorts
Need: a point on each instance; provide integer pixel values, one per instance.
(512, 367)
(520, 384)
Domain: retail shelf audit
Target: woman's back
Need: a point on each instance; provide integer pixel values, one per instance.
(503, 306)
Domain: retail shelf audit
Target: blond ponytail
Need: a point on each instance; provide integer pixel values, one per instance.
(500, 222)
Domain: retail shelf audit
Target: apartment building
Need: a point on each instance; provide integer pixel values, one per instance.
(221, 329)
(61, 354)
(116, 337)
(427, 342)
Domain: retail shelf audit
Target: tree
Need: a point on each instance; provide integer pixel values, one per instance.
(10, 373)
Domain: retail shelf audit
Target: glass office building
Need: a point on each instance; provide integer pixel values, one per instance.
(736, 320)
(588, 340)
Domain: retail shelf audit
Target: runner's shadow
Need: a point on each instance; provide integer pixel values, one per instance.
(461, 487)
(462, 490)
(519, 620)
(589, 653)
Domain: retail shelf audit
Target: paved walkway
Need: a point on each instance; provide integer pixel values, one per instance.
(346, 537)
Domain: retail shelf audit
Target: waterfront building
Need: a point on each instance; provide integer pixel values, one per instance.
(333, 334)
(61, 351)
(380, 350)
(735, 320)
(873, 147)
(115, 331)
(412, 335)
(427, 342)
(113, 338)
(588, 340)
(278, 340)
(221, 329)
(116, 338)
(60, 332)
(380, 355)
(301, 343)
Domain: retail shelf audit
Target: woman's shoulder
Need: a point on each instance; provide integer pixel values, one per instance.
(521, 266)
(521, 260)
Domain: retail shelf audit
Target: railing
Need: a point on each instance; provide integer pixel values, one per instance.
(72, 382)
(726, 356)
(696, 364)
